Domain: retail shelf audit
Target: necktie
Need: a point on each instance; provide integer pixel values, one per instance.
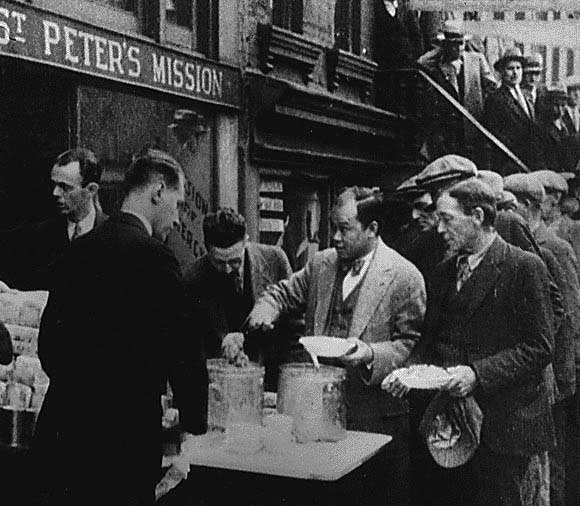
(76, 232)
(237, 282)
(354, 266)
(523, 102)
(463, 271)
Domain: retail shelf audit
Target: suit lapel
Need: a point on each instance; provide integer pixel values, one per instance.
(377, 279)
(255, 264)
(483, 279)
(514, 105)
(326, 279)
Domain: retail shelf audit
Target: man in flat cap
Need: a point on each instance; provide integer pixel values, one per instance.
(495, 344)
(530, 195)
(450, 169)
(428, 248)
(510, 115)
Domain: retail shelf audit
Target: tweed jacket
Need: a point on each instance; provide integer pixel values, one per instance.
(499, 323)
(388, 315)
(267, 265)
(569, 264)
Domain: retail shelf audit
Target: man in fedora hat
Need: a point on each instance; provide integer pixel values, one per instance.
(531, 82)
(465, 75)
(572, 114)
(557, 138)
(510, 115)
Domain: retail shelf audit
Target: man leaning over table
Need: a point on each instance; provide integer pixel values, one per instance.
(365, 291)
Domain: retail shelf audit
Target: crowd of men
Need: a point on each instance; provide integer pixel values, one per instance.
(483, 282)
(539, 123)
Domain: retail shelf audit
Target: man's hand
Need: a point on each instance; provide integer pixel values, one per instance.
(262, 317)
(361, 353)
(462, 381)
(393, 385)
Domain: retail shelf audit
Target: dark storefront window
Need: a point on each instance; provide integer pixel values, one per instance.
(557, 15)
(347, 25)
(288, 14)
(499, 16)
(541, 16)
(520, 16)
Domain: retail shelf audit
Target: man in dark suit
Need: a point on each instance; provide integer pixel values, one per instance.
(510, 115)
(530, 193)
(223, 285)
(110, 338)
(489, 322)
(34, 249)
(531, 81)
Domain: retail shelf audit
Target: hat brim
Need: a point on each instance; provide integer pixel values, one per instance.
(503, 61)
(432, 182)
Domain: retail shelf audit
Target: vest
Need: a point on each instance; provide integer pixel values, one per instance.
(340, 313)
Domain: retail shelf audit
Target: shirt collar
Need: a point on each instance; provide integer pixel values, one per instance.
(475, 259)
(85, 225)
(143, 220)
(366, 262)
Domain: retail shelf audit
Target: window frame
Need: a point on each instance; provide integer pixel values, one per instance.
(348, 15)
(289, 15)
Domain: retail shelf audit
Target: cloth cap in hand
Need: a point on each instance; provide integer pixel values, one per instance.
(446, 170)
(451, 427)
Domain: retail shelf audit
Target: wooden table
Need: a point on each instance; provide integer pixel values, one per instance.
(315, 473)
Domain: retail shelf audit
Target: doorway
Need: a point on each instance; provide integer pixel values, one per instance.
(37, 111)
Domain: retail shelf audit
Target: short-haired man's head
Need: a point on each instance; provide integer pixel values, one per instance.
(223, 228)
(368, 201)
(472, 194)
(355, 221)
(153, 165)
(89, 167)
(225, 236)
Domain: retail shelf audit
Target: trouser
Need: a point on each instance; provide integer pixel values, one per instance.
(488, 479)
(573, 450)
(558, 456)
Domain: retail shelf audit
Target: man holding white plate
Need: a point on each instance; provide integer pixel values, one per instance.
(360, 290)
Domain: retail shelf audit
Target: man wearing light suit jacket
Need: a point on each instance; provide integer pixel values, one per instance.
(363, 290)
